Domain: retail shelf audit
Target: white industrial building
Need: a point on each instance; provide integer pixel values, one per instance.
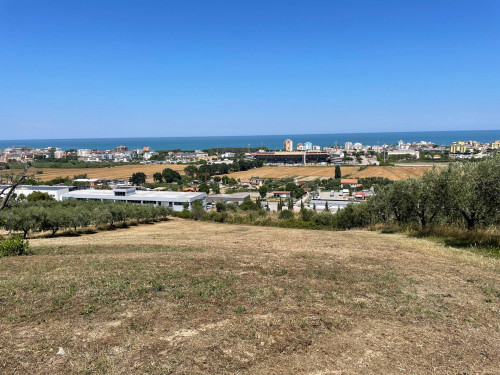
(55, 192)
(172, 199)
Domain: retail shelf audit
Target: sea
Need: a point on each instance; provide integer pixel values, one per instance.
(273, 142)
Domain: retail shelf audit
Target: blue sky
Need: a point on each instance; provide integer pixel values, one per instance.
(71, 69)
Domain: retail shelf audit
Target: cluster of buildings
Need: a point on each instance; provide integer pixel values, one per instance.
(28, 154)
(175, 200)
(472, 149)
(305, 153)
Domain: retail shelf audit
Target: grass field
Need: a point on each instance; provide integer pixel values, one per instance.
(312, 173)
(184, 297)
(121, 172)
(302, 173)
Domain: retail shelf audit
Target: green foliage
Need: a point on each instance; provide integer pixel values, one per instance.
(286, 214)
(138, 178)
(39, 196)
(169, 176)
(158, 177)
(204, 188)
(338, 172)
(220, 206)
(191, 170)
(198, 211)
(263, 190)
(54, 216)
(13, 246)
(249, 206)
(306, 215)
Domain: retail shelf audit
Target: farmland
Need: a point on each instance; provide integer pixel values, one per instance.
(312, 173)
(120, 172)
(186, 297)
(302, 173)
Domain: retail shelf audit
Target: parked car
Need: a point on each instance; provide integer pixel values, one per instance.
(332, 193)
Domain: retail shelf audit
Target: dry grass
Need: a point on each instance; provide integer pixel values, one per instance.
(392, 173)
(302, 173)
(184, 297)
(120, 172)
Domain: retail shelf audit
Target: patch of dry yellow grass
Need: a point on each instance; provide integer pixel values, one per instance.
(122, 172)
(186, 297)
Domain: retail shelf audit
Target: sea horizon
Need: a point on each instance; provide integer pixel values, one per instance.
(274, 142)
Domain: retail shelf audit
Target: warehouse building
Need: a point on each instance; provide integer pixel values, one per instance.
(55, 192)
(173, 199)
(297, 157)
(237, 198)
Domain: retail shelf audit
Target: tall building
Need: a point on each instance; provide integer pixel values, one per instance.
(288, 145)
(348, 146)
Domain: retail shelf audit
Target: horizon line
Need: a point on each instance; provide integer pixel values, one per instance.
(249, 135)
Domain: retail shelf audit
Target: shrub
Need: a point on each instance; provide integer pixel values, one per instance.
(220, 206)
(218, 217)
(286, 214)
(13, 246)
(184, 214)
(232, 206)
(249, 206)
(306, 215)
(324, 219)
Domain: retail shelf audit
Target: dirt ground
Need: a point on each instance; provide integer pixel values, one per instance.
(120, 172)
(185, 297)
(302, 173)
(392, 173)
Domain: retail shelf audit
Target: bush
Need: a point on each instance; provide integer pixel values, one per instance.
(184, 214)
(220, 206)
(218, 217)
(13, 246)
(249, 206)
(232, 206)
(306, 215)
(286, 214)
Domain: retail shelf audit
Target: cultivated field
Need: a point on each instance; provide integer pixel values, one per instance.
(312, 173)
(121, 172)
(392, 173)
(185, 297)
(302, 173)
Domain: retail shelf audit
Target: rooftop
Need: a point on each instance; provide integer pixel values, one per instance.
(38, 187)
(234, 195)
(140, 194)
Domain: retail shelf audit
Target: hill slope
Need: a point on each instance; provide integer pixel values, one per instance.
(202, 298)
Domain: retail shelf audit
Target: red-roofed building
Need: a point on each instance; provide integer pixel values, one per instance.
(281, 194)
(359, 195)
(349, 182)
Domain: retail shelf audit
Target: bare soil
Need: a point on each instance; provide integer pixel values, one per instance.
(185, 297)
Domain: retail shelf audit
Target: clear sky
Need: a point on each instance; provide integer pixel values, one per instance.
(104, 68)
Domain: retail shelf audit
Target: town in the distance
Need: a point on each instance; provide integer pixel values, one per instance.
(211, 175)
(351, 153)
